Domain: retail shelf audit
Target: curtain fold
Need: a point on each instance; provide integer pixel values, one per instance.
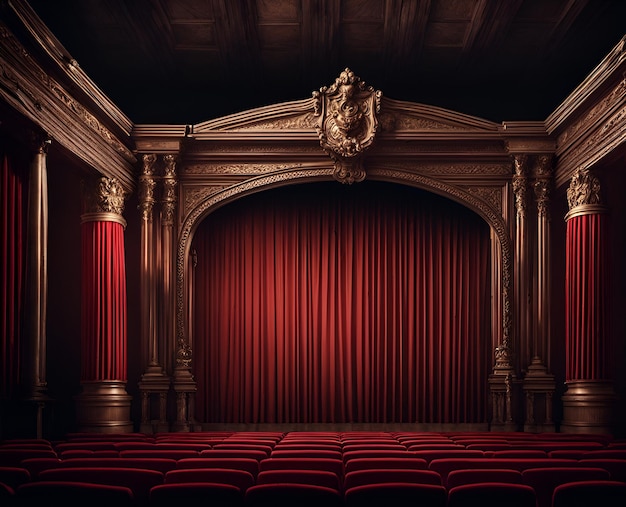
(586, 298)
(13, 198)
(103, 335)
(331, 303)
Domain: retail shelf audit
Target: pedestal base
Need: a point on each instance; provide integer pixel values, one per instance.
(589, 407)
(103, 407)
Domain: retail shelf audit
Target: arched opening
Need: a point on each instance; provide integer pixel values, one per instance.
(326, 303)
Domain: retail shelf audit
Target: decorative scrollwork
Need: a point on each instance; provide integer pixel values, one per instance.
(347, 123)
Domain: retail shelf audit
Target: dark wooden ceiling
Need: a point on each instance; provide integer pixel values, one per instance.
(186, 61)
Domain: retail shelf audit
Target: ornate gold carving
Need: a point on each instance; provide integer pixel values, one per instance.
(584, 189)
(104, 200)
(491, 195)
(520, 183)
(194, 195)
(237, 169)
(396, 122)
(169, 189)
(543, 184)
(347, 123)
(147, 184)
(305, 122)
(593, 114)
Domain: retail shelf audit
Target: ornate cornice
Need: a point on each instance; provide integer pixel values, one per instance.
(43, 100)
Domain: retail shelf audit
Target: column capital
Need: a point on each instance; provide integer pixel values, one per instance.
(104, 201)
(583, 194)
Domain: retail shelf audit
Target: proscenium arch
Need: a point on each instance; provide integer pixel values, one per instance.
(325, 173)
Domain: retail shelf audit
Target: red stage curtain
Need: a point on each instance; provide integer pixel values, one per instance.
(586, 298)
(333, 303)
(103, 342)
(13, 199)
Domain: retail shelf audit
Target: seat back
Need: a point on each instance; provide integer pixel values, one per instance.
(590, 494)
(474, 475)
(492, 494)
(402, 463)
(383, 475)
(397, 494)
(240, 478)
(545, 480)
(204, 493)
(313, 477)
(36, 494)
(291, 495)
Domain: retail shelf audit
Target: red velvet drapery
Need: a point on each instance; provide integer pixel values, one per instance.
(586, 298)
(12, 265)
(103, 326)
(331, 303)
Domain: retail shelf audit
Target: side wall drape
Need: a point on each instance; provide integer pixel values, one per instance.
(12, 258)
(103, 342)
(331, 303)
(586, 298)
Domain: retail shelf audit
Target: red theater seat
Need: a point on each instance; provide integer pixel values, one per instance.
(36, 465)
(174, 454)
(396, 494)
(8, 497)
(38, 494)
(377, 453)
(313, 477)
(590, 494)
(545, 480)
(234, 453)
(140, 481)
(492, 494)
(14, 456)
(247, 464)
(292, 495)
(240, 478)
(159, 464)
(461, 452)
(196, 494)
(383, 475)
(472, 476)
(616, 467)
(400, 463)
(14, 476)
(306, 453)
(328, 464)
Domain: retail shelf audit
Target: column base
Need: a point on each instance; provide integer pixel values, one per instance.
(103, 407)
(589, 407)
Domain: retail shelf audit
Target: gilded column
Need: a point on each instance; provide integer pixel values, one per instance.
(37, 278)
(154, 383)
(588, 404)
(104, 405)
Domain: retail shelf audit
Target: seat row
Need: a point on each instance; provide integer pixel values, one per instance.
(400, 491)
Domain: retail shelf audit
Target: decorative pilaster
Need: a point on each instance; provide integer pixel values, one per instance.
(104, 405)
(37, 279)
(588, 404)
(503, 381)
(154, 384)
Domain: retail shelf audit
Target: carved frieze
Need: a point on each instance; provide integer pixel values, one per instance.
(491, 195)
(347, 112)
(302, 122)
(243, 169)
(194, 195)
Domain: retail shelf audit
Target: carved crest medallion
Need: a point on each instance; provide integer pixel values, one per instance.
(347, 123)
